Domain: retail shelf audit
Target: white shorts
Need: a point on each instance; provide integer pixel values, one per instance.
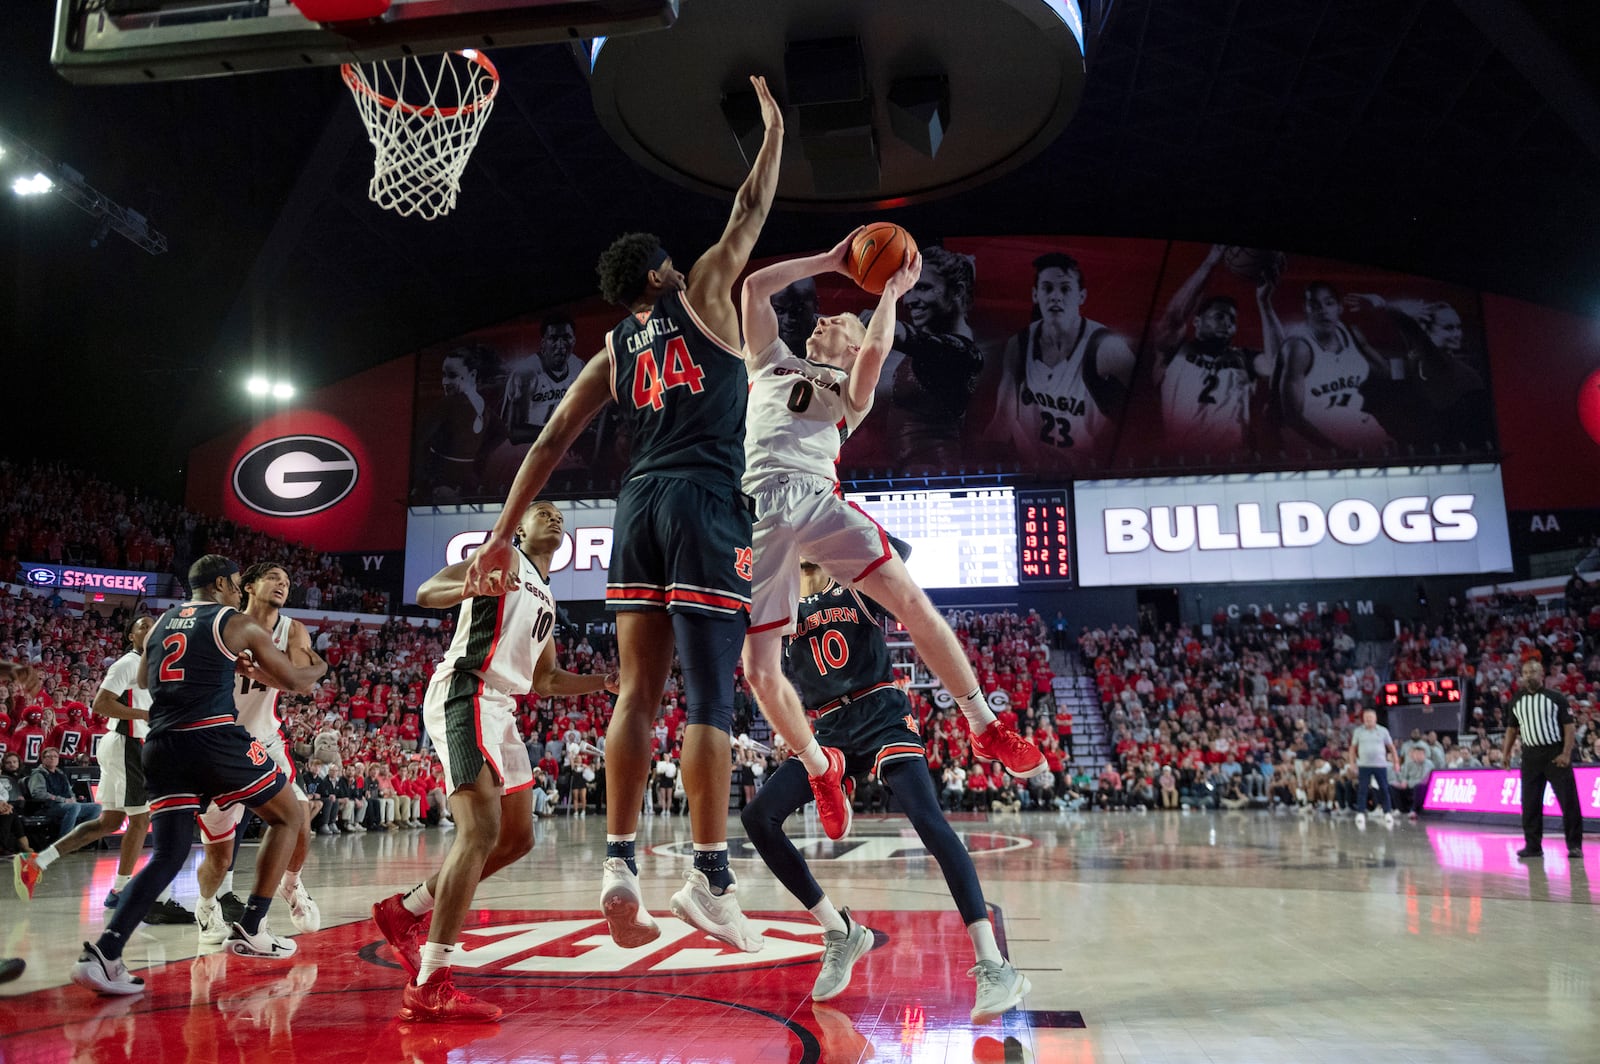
(802, 517)
(472, 725)
(121, 784)
(218, 825)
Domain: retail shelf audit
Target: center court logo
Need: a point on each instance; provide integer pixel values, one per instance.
(295, 476)
(582, 947)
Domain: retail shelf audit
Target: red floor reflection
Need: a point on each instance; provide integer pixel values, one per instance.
(570, 997)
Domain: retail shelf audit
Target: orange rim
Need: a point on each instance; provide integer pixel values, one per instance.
(357, 85)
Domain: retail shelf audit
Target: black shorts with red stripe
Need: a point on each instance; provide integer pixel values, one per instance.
(187, 768)
(872, 730)
(681, 545)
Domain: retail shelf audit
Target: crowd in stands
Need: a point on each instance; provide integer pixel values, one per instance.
(1260, 711)
(358, 737)
(51, 513)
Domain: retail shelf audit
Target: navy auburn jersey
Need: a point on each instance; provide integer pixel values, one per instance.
(189, 669)
(838, 648)
(681, 392)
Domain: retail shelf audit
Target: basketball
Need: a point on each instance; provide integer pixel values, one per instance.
(877, 252)
(1255, 264)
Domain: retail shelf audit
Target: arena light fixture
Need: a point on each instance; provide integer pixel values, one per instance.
(37, 185)
(258, 386)
(283, 390)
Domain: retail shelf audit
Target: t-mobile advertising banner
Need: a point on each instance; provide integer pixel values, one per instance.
(437, 536)
(1323, 525)
(1492, 790)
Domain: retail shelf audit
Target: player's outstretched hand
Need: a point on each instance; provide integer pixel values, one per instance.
(487, 572)
(903, 278)
(771, 113)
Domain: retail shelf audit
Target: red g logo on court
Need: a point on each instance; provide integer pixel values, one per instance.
(258, 753)
(743, 561)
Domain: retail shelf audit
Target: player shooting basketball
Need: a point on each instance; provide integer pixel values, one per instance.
(801, 409)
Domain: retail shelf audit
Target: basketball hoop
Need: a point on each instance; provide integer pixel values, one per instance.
(423, 124)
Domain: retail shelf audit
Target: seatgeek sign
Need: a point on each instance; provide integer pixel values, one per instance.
(437, 536)
(1320, 525)
(109, 581)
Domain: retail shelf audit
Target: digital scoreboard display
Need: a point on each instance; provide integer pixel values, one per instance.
(1044, 536)
(965, 537)
(1437, 690)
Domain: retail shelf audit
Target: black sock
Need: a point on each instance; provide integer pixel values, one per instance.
(623, 850)
(109, 944)
(255, 910)
(714, 863)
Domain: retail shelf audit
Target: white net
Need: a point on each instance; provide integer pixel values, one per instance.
(423, 115)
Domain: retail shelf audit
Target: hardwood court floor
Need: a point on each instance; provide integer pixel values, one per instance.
(1163, 937)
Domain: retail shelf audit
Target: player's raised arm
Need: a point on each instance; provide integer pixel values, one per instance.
(1170, 327)
(266, 663)
(446, 588)
(710, 281)
(879, 338)
(493, 567)
(760, 320)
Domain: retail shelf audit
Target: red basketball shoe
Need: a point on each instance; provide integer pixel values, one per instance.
(438, 1001)
(999, 743)
(404, 932)
(833, 805)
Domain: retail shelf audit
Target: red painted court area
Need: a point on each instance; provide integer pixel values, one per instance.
(569, 994)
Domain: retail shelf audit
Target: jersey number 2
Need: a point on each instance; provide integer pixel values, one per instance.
(175, 645)
(650, 382)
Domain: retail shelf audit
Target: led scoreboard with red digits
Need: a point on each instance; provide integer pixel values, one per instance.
(1433, 691)
(1044, 536)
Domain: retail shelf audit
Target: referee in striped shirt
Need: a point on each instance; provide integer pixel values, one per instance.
(1545, 724)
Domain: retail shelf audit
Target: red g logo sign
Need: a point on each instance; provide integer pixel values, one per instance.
(295, 476)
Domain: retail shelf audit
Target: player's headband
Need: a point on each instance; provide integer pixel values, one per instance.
(658, 258)
(209, 570)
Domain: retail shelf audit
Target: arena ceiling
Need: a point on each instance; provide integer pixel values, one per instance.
(1452, 138)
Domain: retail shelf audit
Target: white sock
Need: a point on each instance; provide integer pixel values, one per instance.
(227, 883)
(206, 904)
(47, 857)
(812, 758)
(418, 902)
(976, 710)
(291, 880)
(983, 943)
(629, 837)
(435, 958)
(120, 882)
(829, 917)
(166, 893)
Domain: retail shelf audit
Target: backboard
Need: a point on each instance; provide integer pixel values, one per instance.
(122, 41)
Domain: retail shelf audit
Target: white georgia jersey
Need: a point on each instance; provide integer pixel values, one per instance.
(1205, 400)
(121, 680)
(500, 638)
(534, 393)
(1332, 400)
(797, 416)
(254, 702)
(1055, 407)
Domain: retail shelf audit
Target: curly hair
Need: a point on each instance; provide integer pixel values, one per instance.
(623, 266)
(252, 574)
